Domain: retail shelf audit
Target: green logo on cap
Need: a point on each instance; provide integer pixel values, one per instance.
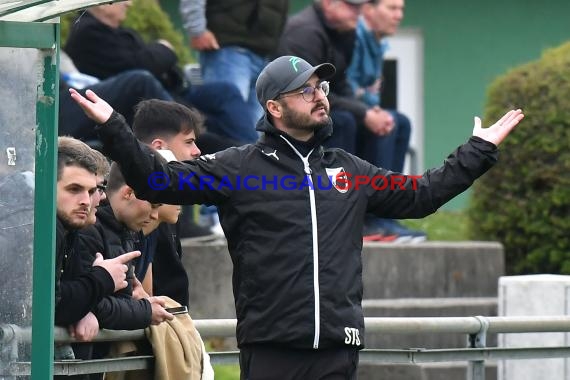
(294, 61)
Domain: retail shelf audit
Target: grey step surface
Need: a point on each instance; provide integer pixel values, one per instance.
(209, 269)
(425, 270)
(425, 371)
(432, 269)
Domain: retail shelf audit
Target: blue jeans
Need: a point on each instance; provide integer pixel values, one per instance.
(389, 151)
(344, 131)
(223, 107)
(241, 67)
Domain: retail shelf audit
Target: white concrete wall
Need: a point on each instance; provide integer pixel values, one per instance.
(534, 295)
(407, 47)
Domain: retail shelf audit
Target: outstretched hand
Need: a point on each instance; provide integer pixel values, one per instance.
(94, 107)
(497, 132)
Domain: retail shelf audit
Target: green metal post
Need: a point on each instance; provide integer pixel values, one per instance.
(44, 213)
(43, 36)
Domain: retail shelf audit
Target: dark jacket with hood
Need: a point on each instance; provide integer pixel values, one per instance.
(79, 286)
(294, 237)
(119, 311)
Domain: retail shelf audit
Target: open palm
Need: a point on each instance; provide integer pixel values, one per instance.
(497, 132)
(94, 107)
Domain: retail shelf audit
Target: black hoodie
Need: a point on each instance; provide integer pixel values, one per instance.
(119, 311)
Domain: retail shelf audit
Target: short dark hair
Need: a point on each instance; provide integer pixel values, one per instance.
(156, 118)
(73, 152)
(103, 165)
(116, 179)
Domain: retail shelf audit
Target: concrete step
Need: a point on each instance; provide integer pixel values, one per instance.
(427, 307)
(432, 269)
(424, 270)
(209, 269)
(425, 371)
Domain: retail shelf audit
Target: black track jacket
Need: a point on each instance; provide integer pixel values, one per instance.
(294, 238)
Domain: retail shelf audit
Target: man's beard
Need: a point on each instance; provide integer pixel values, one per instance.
(70, 224)
(299, 121)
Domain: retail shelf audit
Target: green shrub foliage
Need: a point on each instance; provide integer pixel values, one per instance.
(147, 18)
(524, 202)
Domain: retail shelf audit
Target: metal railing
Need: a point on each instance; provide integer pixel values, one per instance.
(475, 328)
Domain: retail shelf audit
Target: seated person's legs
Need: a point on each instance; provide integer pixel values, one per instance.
(401, 141)
(122, 91)
(134, 86)
(223, 107)
(238, 66)
(388, 152)
(344, 131)
(211, 143)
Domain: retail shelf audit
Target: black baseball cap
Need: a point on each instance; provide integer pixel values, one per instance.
(285, 74)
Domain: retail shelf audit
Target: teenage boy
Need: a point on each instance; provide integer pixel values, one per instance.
(115, 231)
(167, 126)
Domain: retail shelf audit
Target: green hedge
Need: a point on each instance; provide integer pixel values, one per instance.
(524, 202)
(147, 18)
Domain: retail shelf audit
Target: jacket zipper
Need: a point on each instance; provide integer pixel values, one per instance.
(315, 234)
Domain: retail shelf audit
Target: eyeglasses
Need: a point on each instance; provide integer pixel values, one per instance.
(101, 188)
(309, 92)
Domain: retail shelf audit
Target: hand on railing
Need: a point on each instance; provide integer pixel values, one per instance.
(86, 329)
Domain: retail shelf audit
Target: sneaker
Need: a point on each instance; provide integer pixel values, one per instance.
(390, 228)
(409, 236)
(374, 230)
(379, 238)
(216, 227)
(209, 218)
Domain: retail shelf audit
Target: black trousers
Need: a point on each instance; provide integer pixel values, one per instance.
(263, 362)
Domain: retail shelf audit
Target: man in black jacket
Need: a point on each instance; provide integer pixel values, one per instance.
(79, 287)
(82, 281)
(292, 213)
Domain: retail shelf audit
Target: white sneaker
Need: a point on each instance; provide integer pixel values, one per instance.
(217, 230)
